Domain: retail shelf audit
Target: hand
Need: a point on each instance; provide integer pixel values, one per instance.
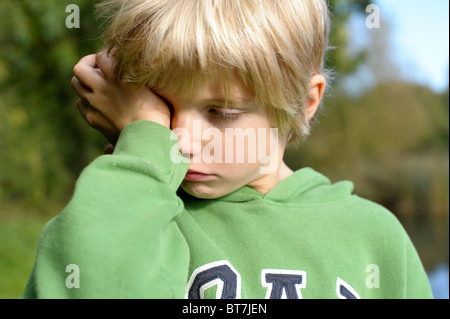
(109, 105)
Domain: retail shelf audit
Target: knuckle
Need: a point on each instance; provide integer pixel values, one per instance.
(99, 54)
(81, 103)
(76, 69)
(90, 119)
(86, 112)
(73, 82)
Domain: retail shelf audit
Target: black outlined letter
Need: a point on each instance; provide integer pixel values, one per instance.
(219, 273)
(345, 291)
(283, 284)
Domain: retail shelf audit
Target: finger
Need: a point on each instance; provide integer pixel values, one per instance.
(109, 149)
(106, 64)
(96, 120)
(83, 107)
(81, 90)
(87, 73)
(91, 116)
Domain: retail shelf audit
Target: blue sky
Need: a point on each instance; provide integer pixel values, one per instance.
(420, 35)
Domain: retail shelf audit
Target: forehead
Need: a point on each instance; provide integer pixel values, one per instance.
(231, 91)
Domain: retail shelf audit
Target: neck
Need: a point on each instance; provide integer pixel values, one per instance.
(266, 182)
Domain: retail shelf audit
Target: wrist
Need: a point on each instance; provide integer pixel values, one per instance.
(161, 120)
(157, 115)
(157, 145)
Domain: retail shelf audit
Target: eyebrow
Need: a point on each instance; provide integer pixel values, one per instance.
(228, 102)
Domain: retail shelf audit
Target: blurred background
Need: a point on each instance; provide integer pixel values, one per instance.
(384, 123)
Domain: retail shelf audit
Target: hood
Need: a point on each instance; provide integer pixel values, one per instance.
(305, 187)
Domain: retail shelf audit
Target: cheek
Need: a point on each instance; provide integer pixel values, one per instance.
(249, 146)
(239, 162)
(233, 148)
(239, 147)
(233, 159)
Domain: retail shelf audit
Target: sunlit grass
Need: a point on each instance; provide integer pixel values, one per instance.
(18, 242)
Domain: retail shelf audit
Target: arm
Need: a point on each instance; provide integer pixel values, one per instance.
(119, 227)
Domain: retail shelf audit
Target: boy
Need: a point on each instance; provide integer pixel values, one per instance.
(189, 92)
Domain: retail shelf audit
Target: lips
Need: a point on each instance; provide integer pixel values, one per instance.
(194, 176)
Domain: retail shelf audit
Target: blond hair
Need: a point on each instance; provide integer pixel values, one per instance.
(275, 46)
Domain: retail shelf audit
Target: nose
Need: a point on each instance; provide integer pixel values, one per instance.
(188, 129)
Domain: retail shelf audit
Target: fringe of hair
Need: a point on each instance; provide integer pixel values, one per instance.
(275, 47)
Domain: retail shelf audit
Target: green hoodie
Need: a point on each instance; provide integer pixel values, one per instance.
(129, 232)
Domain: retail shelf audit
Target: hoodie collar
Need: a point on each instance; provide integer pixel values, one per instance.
(293, 186)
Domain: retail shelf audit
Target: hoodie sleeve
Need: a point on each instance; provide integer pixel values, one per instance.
(417, 283)
(117, 237)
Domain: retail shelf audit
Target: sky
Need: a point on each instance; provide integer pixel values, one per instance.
(420, 34)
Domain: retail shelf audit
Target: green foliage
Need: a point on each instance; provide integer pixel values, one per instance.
(19, 239)
(392, 143)
(338, 58)
(44, 143)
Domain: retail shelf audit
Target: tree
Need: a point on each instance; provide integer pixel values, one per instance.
(44, 143)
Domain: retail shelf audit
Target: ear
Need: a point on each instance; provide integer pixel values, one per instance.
(317, 86)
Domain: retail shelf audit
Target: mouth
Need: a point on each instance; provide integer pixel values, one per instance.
(194, 176)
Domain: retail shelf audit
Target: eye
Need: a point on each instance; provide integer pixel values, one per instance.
(230, 115)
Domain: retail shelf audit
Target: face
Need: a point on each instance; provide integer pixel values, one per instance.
(229, 144)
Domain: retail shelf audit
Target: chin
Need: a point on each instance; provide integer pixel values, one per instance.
(201, 191)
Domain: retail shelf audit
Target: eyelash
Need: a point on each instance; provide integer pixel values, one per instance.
(228, 117)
